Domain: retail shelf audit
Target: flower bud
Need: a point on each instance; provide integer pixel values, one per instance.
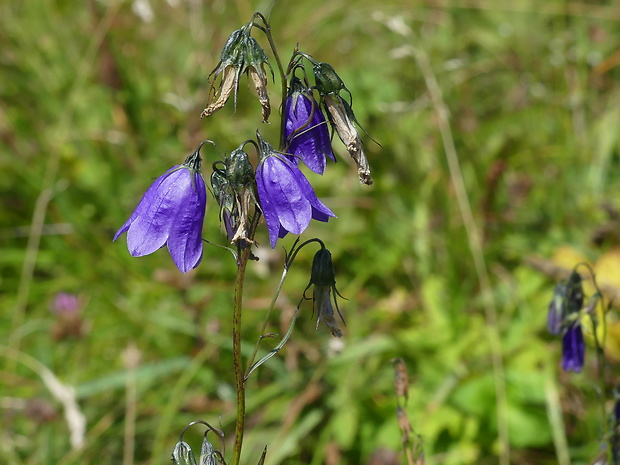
(323, 272)
(239, 171)
(323, 277)
(183, 455)
(327, 81)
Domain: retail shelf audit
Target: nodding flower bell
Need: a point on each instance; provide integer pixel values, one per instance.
(341, 116)
(285, 195)
(323, 277)
(240, 54)
(573, 348)
(171, 213)
(305, 132)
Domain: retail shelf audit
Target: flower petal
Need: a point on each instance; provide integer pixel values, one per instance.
(155, 214)
(185, 238)
(312, 143)
(281, 181)
(268, 208)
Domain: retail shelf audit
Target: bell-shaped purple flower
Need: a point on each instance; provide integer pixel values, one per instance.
(171, 213)
(573, 348)
(286, 197)
(306, 132)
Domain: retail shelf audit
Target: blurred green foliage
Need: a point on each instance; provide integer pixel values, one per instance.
(100, 97)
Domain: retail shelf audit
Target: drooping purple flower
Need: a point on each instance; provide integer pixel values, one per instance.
(171, 213)
(305, 131)
(573, 348)
(286, 197)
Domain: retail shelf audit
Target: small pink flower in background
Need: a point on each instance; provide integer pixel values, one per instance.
(66, 304)
(67, 308)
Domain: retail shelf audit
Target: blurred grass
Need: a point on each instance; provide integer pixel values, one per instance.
(96, 101)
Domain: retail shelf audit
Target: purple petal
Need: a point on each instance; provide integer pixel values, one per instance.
(281, 182)
(155, 214)
(312, 143)
(319, 210)
(268, 208)
(185, 238)
(142, 205)
(573, 349)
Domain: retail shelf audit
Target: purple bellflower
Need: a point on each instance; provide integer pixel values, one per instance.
(573, 348)
(171, 213)
(305, 131)
(285, 195)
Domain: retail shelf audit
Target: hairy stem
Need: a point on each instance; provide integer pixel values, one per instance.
(244, 255)
(238, 365)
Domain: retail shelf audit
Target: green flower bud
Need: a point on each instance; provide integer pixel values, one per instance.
(239, 171)
(183, 455)
(327, 81)
(323, 273)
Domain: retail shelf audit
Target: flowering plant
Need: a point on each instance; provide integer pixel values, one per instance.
(171, 212)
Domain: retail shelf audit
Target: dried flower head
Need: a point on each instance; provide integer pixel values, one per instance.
(240, 54)
(557, 309)
(343, 121)
(341, 116)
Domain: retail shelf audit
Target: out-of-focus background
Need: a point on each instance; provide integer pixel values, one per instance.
(498, 170)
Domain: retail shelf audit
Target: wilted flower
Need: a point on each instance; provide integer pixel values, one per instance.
(557, 309)
(323, 277)
(241, 53)
(343, 120)
(573, 348)
(305, 131)
(171, 213)
(341, 116)
(286, 197)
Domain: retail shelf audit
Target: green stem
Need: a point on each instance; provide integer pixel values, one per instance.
(238, 365)
(267, 31)
(244, 255)
(600, 356)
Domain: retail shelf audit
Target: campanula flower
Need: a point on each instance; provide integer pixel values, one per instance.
(573, 348)
(305, 131)
(171, 213)
(286, 197)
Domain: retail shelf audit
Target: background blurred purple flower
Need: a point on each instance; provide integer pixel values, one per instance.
(306, 131)
(573, 348)
(171, 213)
(286, 198)
(66, 304)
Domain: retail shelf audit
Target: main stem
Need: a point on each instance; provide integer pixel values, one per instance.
(238, 366)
